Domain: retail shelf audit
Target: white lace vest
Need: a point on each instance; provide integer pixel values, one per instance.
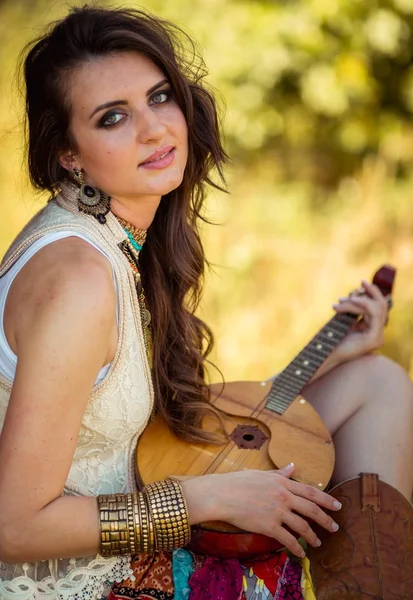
(116, 414)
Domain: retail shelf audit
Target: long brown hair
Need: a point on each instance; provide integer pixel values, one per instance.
(172, 262)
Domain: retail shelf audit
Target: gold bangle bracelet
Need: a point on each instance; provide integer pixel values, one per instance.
(131, 522)
(114, 532)
(147, 544)
(169, 514)
(136, 525)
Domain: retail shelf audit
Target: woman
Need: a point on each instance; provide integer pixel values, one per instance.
(123, 134)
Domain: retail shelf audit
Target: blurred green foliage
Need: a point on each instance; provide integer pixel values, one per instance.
(319, 104)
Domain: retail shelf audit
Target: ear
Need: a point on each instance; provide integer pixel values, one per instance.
(69, 161)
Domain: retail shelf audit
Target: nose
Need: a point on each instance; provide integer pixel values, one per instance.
(150, 126)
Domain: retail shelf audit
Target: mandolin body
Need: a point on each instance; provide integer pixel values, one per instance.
(265, 441)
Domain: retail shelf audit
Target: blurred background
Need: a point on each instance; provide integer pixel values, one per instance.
(317, 101)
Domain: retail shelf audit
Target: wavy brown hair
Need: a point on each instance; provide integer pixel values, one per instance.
(172, 262)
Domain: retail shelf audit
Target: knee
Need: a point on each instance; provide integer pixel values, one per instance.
(388, 382)
(380, 368)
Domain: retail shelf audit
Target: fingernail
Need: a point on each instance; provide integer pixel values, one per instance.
(289, 466)
(334, 527)
(337, 504)
(302, 554)
(318, 542)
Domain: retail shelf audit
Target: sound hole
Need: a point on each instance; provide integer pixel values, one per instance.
(248, 437)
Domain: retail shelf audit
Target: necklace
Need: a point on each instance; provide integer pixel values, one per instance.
(131, 248)
(136, 236)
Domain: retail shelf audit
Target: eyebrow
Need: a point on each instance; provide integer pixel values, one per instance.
(123, 102)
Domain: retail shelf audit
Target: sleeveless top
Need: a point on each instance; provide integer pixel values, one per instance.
(8, 360)
(117, 412)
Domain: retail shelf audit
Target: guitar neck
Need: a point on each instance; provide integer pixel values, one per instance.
(289, 383)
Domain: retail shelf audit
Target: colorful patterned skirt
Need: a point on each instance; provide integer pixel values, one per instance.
(181, 575)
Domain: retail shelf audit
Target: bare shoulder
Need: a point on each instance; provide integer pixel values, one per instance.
(66, 260)
(66, 279)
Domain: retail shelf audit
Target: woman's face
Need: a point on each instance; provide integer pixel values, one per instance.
(131, 135)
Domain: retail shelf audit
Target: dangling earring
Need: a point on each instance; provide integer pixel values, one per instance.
(90, 200)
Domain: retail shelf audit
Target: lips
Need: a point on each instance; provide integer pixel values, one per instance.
(158, 155)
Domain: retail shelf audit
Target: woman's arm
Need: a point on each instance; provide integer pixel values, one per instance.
(61, 314)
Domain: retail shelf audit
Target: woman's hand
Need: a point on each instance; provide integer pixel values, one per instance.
(261, 502)
(367, 335)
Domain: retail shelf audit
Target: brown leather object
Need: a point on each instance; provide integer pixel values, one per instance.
(371, 556)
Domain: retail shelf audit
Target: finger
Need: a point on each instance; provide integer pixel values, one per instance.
(286, 471)
(302, 528)
(369, 291)
(362, 306)
(288, 540)
(373, 291)
(314, 495)
(312, 511)
(362, 302)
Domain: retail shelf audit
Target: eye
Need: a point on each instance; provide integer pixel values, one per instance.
(110, 119)
(161, 97)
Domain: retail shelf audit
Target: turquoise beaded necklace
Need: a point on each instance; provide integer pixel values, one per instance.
(136, 236)
(134, 243)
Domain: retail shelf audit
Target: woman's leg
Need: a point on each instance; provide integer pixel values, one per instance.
(367, 404)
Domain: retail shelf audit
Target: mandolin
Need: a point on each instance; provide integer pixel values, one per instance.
(267, 424)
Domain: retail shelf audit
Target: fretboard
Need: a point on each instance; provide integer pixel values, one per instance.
(289, 383)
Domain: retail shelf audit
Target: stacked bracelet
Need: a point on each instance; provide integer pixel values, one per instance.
(114, 530)
(169, 513)
(154, 519)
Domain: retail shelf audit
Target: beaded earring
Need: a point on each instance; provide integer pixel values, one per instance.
(91, 200)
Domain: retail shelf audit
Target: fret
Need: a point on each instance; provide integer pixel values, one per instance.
(309, 355)
(279, 407)
(293, 374)
(338, 326)
(305, 365)
(330, 333)
(279, 403)
(289, 383)
(324, 345)
(341, 321)
(310, 365)
(293, 383)
(324, 338)
(319, 354)
(290, 389)
(345, 319)
(301, 362)
(281, 393)
(306, 357)
(300, 371)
